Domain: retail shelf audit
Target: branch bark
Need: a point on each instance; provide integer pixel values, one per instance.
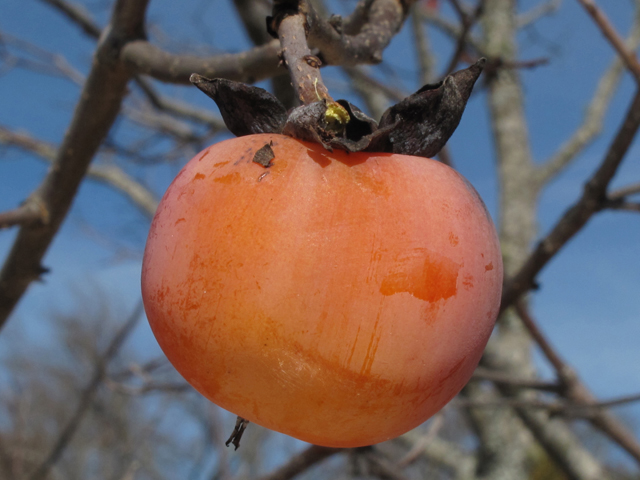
(110, 175)
(88, 394)
(610, 33)
(301, 462)
(99, 104)
(258, 63)
(592, 200)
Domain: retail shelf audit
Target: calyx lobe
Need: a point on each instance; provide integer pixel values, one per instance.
(419, 125)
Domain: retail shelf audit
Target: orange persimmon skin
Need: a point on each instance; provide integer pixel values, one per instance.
(339, 298)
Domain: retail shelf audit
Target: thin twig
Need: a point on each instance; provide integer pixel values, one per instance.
(482, 373)
(87, 396)
(25, 214)
(97, 109)
(301, 462)
(109, 174)
(467, 22)
(576, 392)
(258, 63)
(339, 46)
(610, 33)
(537, 12)
(633, 189)
(591, 201)
(592, 123)
(78, 15)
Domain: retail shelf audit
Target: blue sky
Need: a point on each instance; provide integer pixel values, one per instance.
(588, 304)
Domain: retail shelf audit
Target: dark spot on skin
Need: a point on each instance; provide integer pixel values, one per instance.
(488, 267)
(199, 176)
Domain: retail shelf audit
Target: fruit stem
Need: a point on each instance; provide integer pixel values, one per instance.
(238, 430)
(304, 67)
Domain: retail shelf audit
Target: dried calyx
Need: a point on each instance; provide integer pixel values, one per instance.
(419, 125)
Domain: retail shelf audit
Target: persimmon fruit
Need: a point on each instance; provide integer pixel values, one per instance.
(339, 298)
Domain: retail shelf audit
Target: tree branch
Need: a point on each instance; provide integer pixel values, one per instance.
(25, 214)
(302, 462)
(78, 15)
(111, 175)
(256, 64)
(102, 94)
(607, 29)
(384, 18)
(592, 200)
(578, 393)
(592, 123)
(87, 396)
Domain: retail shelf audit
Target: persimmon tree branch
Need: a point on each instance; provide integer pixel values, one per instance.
(111, 175)
(258, 63)
(362, 37)
(97, 109)
(22, 215)
(592, 124)
(301, 462)
(78, 15)
(576, 392)
(628, 57)
(592, 200)
(467, 21)
(304, 68)
(174, 107)
(543, 9)
(88, 394)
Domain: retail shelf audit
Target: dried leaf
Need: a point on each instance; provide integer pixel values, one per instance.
(245, 109)
(424, 121)
(306, 123)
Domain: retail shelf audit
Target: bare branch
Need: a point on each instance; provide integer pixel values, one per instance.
(87, 396)
(23, 215)
(384, 18)
(426, 59)
(179, 109)
(627, 191)
(256, 64)
(301, 462)
(592, 123)
(623, 206)
(608, 30)
(304, 68)
(482, 373)
(578, 215)
(78, 15)
(111, 175)
(99, 104)
(467, 21)
(444, 453)
(580, 396)
(435, 424)
(537, 12)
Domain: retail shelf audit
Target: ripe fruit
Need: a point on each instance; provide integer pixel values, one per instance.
(339, 298)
